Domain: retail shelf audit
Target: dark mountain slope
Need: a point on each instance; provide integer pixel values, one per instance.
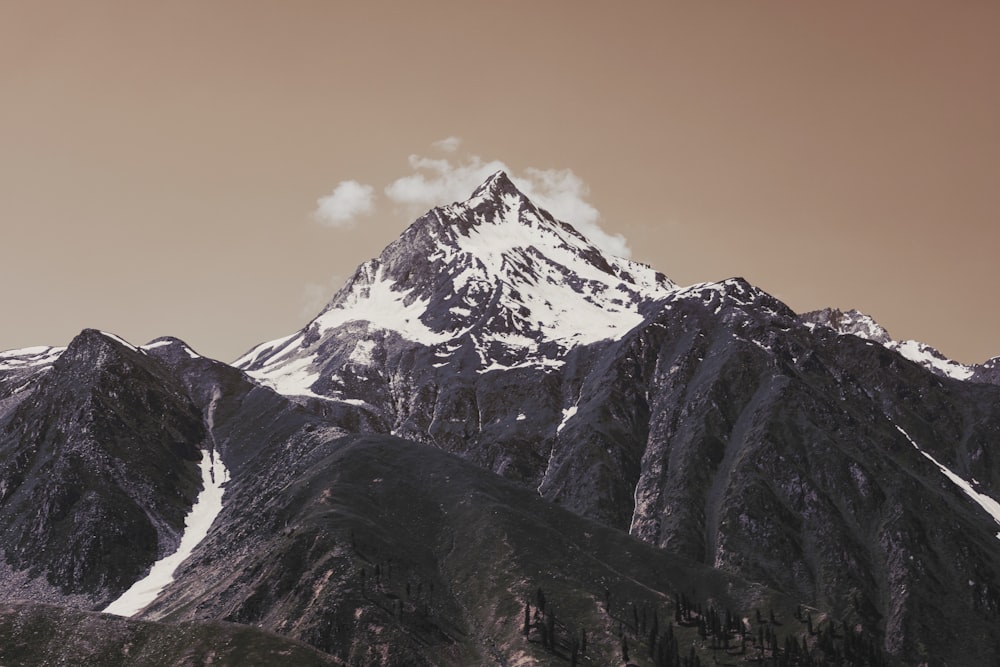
(383, 551)
(711, 421)
(44, 635)
(97, 471)
(777, 453)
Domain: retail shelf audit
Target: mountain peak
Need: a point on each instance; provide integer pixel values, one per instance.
(95, 341)
(497, 271)
(856, 323)
(849, 322)
(497, 184)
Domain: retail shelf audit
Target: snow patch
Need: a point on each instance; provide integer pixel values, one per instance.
(294, 378)
(119, 339)
(567, 415)
(362, 352)
(540, 363)
(981, 499)
(929, 357)
(30, 357)
(196, 525)
(165, 343)
(351, 401)
(383, 306)
(271, 347)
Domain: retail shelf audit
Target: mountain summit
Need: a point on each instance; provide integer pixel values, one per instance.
(495, 276)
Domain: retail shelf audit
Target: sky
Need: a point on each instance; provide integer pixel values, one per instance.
(215, 170)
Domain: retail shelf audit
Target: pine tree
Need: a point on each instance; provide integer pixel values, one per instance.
(624, 649)
(527, 619)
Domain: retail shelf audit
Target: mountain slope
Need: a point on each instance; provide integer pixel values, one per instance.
(97, 471)
(384, 551)
(43, 635)
(711, 421)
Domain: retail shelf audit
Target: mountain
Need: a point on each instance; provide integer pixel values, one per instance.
(97, 471)
(494, 418)
(858, 324)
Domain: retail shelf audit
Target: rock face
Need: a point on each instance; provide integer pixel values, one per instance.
(988, 371)
(858, 324)
(852, 322)
(492, 406)
(96, 471)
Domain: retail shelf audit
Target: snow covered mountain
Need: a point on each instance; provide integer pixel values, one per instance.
(490, 409)
(858, 324)
(490, 283)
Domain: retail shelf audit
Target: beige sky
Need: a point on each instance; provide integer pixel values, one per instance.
(160, 162)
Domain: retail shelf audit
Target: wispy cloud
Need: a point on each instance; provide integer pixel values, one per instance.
(449, 177)
(439, 181)
(342, 207)
(448, 145)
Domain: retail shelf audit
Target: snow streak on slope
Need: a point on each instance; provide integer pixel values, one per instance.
(29, 357)
(196, 525)
(981, 499)
(165, 342)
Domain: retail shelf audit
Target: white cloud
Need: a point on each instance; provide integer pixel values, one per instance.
(436, 182)
(439, 181)
(341, 208)
(448, 145)
(563, 194)
(559, 191)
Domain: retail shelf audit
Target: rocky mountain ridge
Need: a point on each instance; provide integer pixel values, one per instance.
(488, 401)
(858, 324)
